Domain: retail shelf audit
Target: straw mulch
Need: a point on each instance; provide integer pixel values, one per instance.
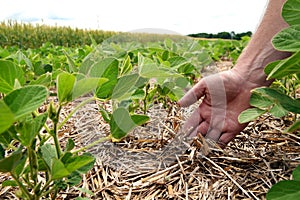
(155, 162)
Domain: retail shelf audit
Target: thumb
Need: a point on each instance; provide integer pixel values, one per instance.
(194, 94)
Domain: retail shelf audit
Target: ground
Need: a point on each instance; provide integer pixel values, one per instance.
(155, 162)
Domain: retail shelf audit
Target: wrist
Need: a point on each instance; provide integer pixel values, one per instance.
(252, 76)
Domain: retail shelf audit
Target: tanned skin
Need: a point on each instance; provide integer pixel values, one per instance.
(226, 94)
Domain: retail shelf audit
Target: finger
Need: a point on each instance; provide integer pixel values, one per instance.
(213, 134)
(191, 124)
(218, 109)
(216, 124)
(193, 95)
(227, 135)
(202, 128)
(225, 139)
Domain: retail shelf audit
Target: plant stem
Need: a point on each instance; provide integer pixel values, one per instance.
(103, 139)
(55, 132)
(145, 98)
(33, 164)
(55, 193)
(45, 187)
(22, 187)
(75, 110)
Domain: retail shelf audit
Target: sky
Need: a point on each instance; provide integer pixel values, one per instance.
(173, 16)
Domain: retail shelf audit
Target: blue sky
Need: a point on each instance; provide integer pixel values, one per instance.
(180, 16)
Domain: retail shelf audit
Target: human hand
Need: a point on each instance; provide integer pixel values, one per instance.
(225, 95)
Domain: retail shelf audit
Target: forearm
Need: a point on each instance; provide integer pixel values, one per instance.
(260, 51)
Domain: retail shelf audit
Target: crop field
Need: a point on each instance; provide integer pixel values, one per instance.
(94, 115)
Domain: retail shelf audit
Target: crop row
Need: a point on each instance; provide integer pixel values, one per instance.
(130, 76)
(33, 36)
(25, 36)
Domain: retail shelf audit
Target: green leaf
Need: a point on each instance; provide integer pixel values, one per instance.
(58, 169)
(26, 100)
(141, 82)
(288, 39)
(140, 119)
(176, 94)
(105, 114)
(106, 90)
(108, 68)
(9, 72)
(30, 128)
(204, 58)
(283, 190)
(7, 183)
(120, 123)
(42, 166)
(6, 138)
(88, 62)
(84, 169)
(74, 179)
(39, 121)
(168, 43)
(77, 162)
(296, 173)
(294, 126)
(165, 55)
(176, 61)
(104, 68)
(278, 111)
(288, 66)
(66, 156)
(260, 101)
(138, 94)
(48, 153)
(65, 85)
(250, 114)
(126, 66)
(48, 68)
(8, 164)
(42, 69)
(20, 56)
(7, 118)
(2, 152)
(20, 167)
(291, 12)
(124, 85)
(149, 69)
(44, 79)
(284, 100)
(4, 86)
(268, 69)
(182, 82)
(71, 62)
(4, 53)
(187, 68)
(70, 145)
(86, 85)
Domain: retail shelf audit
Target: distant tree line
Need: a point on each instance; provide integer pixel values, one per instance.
(222, 35)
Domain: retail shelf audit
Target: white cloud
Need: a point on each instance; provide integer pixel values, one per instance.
(183, 16)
